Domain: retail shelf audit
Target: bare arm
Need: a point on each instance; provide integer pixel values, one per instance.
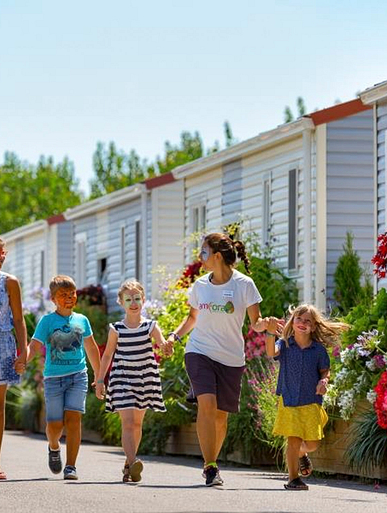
(105, 362)
(256, 321)
(33, 347)
(15, 302)
(323, 383)
(92, 352)
(158, 337)
(271, 328)
(186, 326)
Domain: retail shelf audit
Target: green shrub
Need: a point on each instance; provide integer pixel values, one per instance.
(368, 444)
(348, 290)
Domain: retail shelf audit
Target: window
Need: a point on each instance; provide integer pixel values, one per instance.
(37, 269)
(102, 271)
(137, 250)
(197, 220)
(80, 260)
(292, 217)
(122, 251)
(266, 204)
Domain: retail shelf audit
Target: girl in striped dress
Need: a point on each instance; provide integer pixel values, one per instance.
(134, 382)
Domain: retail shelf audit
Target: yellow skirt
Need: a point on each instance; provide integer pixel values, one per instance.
(306, 422)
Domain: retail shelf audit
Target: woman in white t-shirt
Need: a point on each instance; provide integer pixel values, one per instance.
(215, 357)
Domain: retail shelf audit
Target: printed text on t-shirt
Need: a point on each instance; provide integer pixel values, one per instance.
(214, 308)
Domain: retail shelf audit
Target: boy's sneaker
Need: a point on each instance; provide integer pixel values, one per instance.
(54, 461)
(212, 476)
(70, 472)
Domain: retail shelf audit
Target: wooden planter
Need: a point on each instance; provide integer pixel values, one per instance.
(330, 455)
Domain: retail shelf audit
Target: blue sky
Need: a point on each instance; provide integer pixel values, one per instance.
(140, 72)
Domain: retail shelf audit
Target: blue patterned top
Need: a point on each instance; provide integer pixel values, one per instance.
(299, 372)
(6, 323)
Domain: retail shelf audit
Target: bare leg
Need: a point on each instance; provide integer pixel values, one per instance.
(3, 392)
(221, 430)
(308, 446)
(131, 422)
(54, 432)
(73, 424)
(292, 455)
(206, 427)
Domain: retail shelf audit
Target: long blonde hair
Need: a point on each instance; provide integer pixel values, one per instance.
(326, 331)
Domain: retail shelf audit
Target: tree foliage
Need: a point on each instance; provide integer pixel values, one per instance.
(348, 290)
(115, 169)
(32, 192)
(301, 111)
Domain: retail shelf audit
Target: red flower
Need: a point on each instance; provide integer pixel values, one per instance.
(380, 258)
(381, 401)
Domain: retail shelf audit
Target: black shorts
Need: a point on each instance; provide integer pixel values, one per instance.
(210, 377)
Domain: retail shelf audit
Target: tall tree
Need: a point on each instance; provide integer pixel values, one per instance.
(29, 193)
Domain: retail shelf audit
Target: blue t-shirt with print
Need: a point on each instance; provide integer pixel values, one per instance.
(63, 339)
(300, 372)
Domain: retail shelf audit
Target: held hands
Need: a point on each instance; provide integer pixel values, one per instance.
(167, 347)
(20, 363)
(100, 390)
(270, 324)
(322, 386)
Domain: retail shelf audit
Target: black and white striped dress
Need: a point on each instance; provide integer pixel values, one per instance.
(134, 381)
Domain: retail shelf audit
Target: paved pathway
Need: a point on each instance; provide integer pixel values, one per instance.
(170, 484)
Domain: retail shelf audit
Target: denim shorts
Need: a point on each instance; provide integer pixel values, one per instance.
(65, 393)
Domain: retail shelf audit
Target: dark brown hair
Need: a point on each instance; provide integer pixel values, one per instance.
(229, 249)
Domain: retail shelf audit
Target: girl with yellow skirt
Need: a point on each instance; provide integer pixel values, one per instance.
(302, 381)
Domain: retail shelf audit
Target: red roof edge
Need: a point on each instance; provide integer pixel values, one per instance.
(339, 111)
(159, 180)
(60, 218)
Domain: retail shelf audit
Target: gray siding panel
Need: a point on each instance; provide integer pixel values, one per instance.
(381, 123)
(64, 250)
(231, 191)
(350, 192)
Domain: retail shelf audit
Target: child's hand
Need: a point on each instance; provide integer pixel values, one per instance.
(322, 386)
(100, 391)
(20, 363)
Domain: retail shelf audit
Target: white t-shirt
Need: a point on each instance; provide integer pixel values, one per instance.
(222, 310)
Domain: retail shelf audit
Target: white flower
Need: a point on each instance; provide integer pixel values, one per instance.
(371, 396)
(371, 365)
(346, 404)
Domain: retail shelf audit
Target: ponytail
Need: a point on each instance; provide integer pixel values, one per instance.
(241, 252)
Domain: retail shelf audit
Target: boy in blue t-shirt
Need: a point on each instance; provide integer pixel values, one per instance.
(67, 336)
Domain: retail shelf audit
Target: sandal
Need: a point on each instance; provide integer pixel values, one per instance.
(126, 476)
(296, 484)
(305, 465)
(3, 475)
(135, 470)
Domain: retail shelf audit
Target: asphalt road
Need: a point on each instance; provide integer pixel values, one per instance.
(170, 484)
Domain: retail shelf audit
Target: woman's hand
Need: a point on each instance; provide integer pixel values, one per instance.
(100, 390)
(167, 347)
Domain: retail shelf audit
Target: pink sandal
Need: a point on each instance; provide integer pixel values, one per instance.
(3, 475)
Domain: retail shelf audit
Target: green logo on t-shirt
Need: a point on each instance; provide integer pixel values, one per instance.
(214, 308)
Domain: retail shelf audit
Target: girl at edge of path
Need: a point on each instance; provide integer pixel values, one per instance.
(134, 382)
(215, 358)
(11, 317)
(302, 381)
